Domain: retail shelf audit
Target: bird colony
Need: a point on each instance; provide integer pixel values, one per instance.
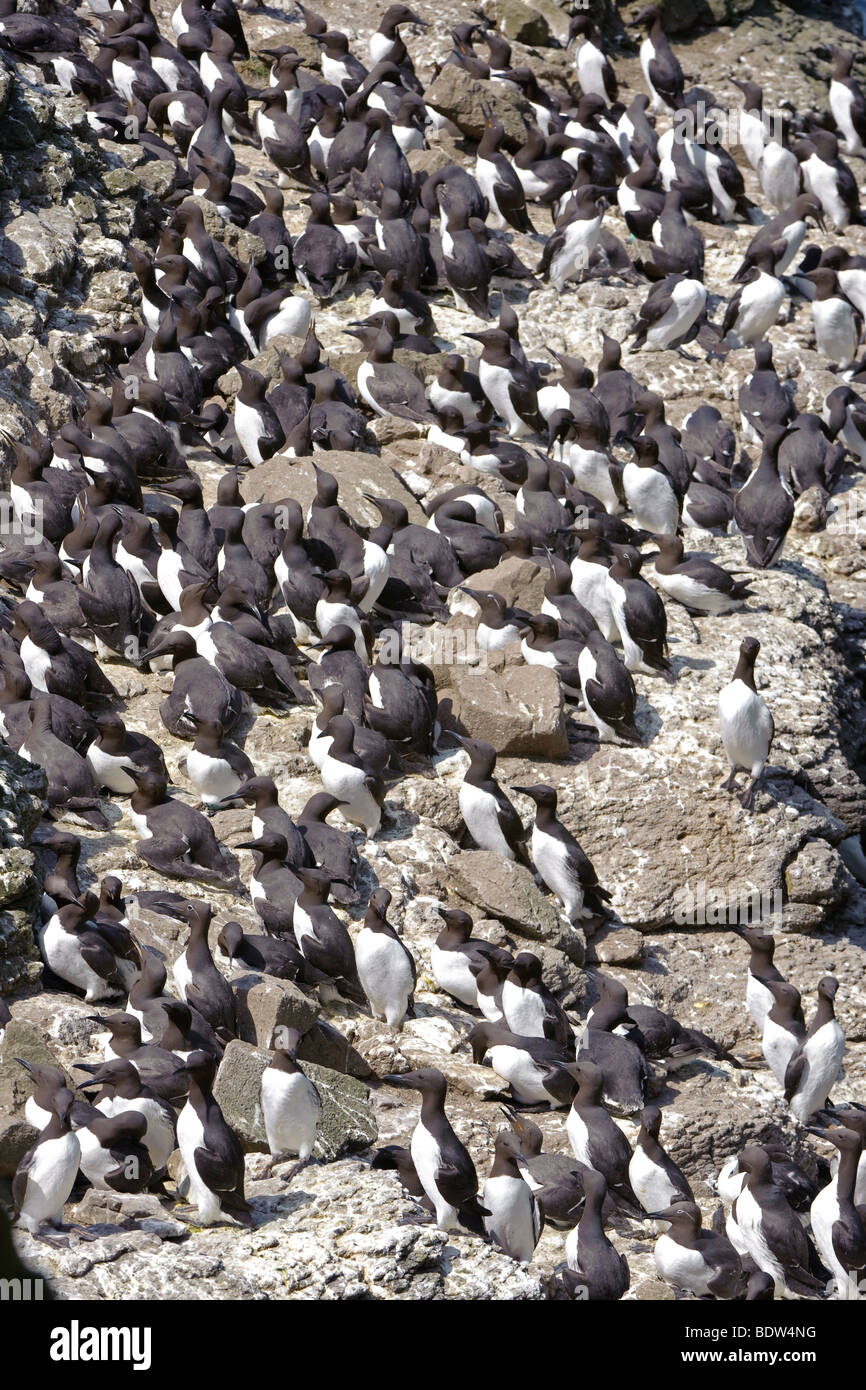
(317, 526)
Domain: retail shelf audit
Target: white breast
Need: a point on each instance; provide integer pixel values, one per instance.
(746, 726)
(292, 1110)
(190, 1136)
(651, 1184)
(519, 1070)
(480, 811)
(50, 1180)
(428, 1161)
(778, 1046)
(385, 974)
(681, 1267)
(451, 972)
(524, 1011)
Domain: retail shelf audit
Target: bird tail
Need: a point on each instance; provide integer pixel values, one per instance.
(471, 1217)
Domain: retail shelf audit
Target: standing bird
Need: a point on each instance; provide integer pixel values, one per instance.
(443, 1164)
(754, 308)
(759, 997)
(784, 1029)
(487, 812)
(654, 497)
(529, 1008)
(496, 177)
(763, 1226)
(764, 505)
(594, 70)
(639, 614)
(608, 691)
(568, 249)
(746, 724)
(199, 983)
(596, 1140)
(846, 102)
(508, 383)
(593, 1261)
(291, 1109)
(669, 313)
(656, 1180)
(46, 1174)
(210, 1150)
(386, 967)
(838, 322)
(454, 953)
(561, 862)
(661, 69)
(814, 1068)
(837, 1224)
(516, 1219)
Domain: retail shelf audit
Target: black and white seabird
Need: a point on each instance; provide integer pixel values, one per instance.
(210, 1150)
(561, 862)
(487, 813)
(596, 1140)
(837, 1223)
(696, 581)
(516, 1219)
(655, 1179)
(46, 1175)
(699, 1262)
(608, 691)
(784, 1029)
(814, 1068)
(595, 1267)
(291, 1109)
(661, 69)
(759, 996)
(443, 1164)
(764, 505)
(746, 723)
(455, 952)
(386, 967)
(763, 1226)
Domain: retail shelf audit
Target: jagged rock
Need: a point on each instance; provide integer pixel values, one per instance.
(520, 22)
(519, 711)
(619, 946)
(63, 1022)
(520, 581)
(433, 800)
(818, 875)
(507, 890)
(680, 16)
(140, 1211)
(355, 472)
(38, 249)
(264, 1004)
(347, 1122)
(467, 103)
(327, 1047)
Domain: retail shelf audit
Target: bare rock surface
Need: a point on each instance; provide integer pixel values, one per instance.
(667, 842)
